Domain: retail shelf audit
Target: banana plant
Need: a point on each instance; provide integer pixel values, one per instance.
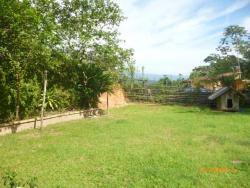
(50, 102)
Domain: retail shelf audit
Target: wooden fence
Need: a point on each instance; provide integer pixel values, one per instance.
(168, 96)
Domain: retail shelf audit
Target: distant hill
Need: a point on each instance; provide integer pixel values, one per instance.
(156, 77)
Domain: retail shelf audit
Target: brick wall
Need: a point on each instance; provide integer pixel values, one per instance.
(116, 99)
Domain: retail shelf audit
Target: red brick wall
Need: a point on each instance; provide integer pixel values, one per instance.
(117, 98)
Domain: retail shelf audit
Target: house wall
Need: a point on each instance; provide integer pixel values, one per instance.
(222, 101)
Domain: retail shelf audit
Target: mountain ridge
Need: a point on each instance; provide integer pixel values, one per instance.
(156, 77)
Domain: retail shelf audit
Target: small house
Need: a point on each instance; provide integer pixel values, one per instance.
(226, 99)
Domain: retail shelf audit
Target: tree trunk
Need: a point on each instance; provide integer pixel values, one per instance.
(17, 96)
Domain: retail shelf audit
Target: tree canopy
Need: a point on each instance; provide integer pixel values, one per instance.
(230, 63)
(76, 41)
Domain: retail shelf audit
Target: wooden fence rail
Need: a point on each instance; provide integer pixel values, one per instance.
(168, 96)
(18, 126)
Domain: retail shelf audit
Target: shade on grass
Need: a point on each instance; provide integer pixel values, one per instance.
(136, 146)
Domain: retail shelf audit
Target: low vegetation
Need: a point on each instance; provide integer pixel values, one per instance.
(136, 146)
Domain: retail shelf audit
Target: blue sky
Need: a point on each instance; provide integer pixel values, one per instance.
(174, 36)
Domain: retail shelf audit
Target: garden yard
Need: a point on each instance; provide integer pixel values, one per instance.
(138, 145)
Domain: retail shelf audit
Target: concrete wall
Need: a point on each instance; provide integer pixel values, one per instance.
(18, 126)
(116, 98)
(222, 101)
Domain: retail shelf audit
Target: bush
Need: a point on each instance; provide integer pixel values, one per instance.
(11, 180)
(29, 98)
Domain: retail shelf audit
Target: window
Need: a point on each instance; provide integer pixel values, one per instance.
(229, 103)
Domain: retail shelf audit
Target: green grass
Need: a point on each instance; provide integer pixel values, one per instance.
(136, 146)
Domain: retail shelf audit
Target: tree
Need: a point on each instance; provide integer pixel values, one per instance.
(63, 37)
(165, 81)
(232, 62)
(200, 75)
(234, 43)
(233, 38)
(92, 82)
(20, 46)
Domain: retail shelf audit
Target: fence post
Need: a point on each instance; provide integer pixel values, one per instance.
(44, 97)
(35, 122)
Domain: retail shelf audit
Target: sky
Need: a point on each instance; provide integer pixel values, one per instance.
(174, 36)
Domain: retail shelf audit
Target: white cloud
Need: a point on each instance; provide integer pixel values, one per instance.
(173, 36)
(246, 23)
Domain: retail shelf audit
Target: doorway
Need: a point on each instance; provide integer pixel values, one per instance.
(229, 103)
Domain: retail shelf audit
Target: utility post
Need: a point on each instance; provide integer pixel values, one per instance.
(142, 72)
(44, 97)
(238, 62)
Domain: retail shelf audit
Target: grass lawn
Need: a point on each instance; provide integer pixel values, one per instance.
(136, 146)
